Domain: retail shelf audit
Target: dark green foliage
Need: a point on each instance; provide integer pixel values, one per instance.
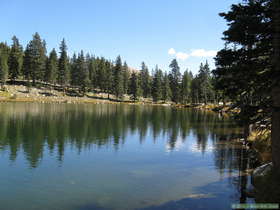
(118, 78)
(175, 79)
(186, 87)
(134, 87)
(27, 63)
(51, 68)
(37, 58)
(4, 53)
(157, 85)
(15, 59)
(243, 68)
(195, 87)
(109, 77)
(63, 67)
(125, 77)
(74, 72)
(145, 81)
(166, 91)
(205, 89)
(83, 72)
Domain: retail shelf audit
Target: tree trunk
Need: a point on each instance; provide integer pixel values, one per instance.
(275, 131)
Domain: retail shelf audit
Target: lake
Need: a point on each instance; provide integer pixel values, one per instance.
(83, 157)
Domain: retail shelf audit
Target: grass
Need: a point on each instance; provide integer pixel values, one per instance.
(261, 142)
(5, 94)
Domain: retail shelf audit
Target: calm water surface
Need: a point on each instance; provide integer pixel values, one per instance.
(82, 157)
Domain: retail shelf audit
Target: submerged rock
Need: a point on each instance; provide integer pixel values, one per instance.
(260, 172)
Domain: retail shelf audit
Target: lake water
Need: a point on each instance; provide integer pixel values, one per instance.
(83, 157)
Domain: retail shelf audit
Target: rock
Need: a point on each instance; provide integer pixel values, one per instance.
(260, 172)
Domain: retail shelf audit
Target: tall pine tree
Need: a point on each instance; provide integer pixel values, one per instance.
(51, 68)
(134, 88)
(63, 66)
(175, 79)
(15, 59)
(145, 81)
(166, 91)
(4, 53)
(118, 79)
(157, 85)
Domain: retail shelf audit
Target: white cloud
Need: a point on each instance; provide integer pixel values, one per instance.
(203, 53)
(182, 56)
(194, 53)
(171, 51)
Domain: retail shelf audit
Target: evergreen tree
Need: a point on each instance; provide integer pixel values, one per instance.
(4, 53)
(166, 91)
(51, 68)
(37, 56)
(93, 67)
(118, 78)
(74, 73)
(186, 87)
(205, 84)
(195, 90)
(145, 81)
(175, 79)
(109, 77)
(248, 49)
(15, 59)
(134, 89)
(83, 72)
(101, 74)
(157, 85)
(63, 67)
(27, 64)
(125, 77)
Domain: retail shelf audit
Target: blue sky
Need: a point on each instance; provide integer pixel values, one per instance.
(154, 31)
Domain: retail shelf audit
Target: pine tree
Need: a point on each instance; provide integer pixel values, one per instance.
(101, 74)
(166, 91)
(15, 59)
(248, 49)
(118, 78)
(205, 87)
(27, 64)
(37, 56)
(93, 67)
(134, 89)
(175, 79)
(63, 67)
(186, 87)
(4, 53)
(83, 73)
(157, 85)
(125, 78)
(195, 90)
(109, 77)
(51, 68)
(145, 81)
(74, 74)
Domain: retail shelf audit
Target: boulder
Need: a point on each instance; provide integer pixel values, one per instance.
(260, 172)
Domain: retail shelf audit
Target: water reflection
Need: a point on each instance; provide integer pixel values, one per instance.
(167, 157)
(34, 128)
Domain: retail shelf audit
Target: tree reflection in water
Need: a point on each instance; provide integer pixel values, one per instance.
(39, 128)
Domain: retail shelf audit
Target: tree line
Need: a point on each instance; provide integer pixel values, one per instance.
(89, 73)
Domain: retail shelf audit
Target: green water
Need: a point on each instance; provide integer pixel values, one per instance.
(82, 157)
